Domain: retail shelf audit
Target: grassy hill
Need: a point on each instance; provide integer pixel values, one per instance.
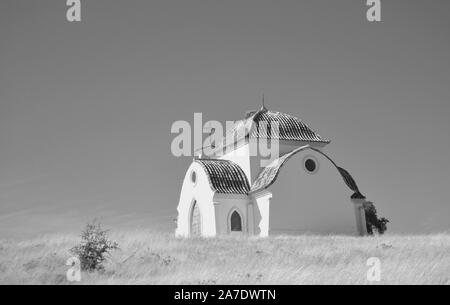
(149, 258)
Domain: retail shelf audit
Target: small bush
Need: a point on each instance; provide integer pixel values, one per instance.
(94, 247)
(372, 220)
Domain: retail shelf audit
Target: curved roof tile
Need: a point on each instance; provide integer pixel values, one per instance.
(225, 176)
(270, 173)
(289, 127)
(256, 125)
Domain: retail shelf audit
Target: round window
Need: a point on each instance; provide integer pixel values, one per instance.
(310, 164)
(193, 177)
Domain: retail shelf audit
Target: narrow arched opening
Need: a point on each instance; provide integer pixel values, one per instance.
(235, 222)
(195, 223)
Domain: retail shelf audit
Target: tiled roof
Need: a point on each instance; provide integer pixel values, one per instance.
(225, 176)
(270, 173)
(348, 179)
(289, 127)
(256, 125)
(228, 178)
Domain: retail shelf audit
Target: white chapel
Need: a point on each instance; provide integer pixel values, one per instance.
(301, 191)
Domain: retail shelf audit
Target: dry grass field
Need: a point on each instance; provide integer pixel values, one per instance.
(149, 258)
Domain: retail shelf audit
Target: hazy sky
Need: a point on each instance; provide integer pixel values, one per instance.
(86, 108)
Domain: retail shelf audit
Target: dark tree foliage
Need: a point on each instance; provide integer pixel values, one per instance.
(372, 220)
(94, 247)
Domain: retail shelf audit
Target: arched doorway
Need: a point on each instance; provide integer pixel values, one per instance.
(235, 222)
(196, 223)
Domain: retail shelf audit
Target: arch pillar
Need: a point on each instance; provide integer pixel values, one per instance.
(250, 218)
(360, 215)
(217, 224)
(262, 200)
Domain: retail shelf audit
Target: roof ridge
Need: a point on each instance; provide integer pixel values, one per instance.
(290, 128)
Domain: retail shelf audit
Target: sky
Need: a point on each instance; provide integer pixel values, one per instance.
(86, 107)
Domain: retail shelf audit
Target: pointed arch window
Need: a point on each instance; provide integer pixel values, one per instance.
(235, 222)
(196, 224)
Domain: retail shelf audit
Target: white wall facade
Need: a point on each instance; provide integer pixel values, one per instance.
(258, 160)
(316, 203)
(261, 213)
(201, 192)
(224, 205)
